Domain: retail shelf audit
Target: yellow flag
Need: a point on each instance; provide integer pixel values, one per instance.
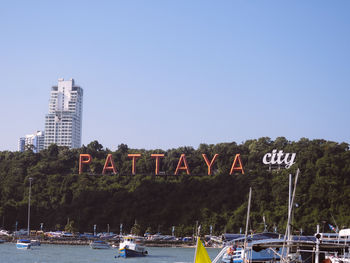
(201, 253)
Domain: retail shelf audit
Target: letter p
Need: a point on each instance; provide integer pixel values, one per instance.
(83, 159)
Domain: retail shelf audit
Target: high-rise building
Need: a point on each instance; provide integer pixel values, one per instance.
(63, 123)
(21, 144)
(36, 141)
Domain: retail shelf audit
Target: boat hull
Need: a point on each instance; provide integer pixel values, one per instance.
(23, 246)
(126, 253)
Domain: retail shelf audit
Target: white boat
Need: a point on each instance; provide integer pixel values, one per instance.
(23, 244)
(129, 248)
(259, 249)
(99, 244)
(235, 255)
(4, 233)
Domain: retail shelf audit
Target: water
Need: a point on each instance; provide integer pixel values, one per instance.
(84, 254)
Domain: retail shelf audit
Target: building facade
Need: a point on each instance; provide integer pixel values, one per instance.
(63, 123)
(32, 141)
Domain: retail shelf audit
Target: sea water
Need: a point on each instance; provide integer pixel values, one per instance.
(84, 254)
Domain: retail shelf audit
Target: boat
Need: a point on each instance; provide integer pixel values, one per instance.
(35, 242)
(99, 244)
(307, 249)
(23, 244)
(129, 248)
(255, 252)
(239, 255)
(4, 233)
(233, 254)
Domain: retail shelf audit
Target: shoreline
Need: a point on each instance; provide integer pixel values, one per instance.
(86, 242)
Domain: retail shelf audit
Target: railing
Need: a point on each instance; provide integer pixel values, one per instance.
(220, 254)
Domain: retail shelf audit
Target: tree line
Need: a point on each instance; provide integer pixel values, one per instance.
(60, 196)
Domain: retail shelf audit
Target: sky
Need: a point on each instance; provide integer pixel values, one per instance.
(161, 74)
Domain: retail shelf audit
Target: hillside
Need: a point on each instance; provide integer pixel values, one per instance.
(158, 202)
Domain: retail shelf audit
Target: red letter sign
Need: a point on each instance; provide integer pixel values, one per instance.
(157, 156)
(111, 167)
(236, 168)
(83, 159)
(185, 167)
(134, 156)
(211, 163)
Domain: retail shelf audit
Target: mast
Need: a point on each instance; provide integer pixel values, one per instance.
(30, 188)
(197, 241)
(247, 225)
(290, 209)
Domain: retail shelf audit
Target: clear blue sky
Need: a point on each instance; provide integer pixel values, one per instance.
(165, 74)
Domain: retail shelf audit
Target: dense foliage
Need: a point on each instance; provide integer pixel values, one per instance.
(156, 203)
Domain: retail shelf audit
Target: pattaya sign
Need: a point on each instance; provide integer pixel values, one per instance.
(182, 165)
(279, 158)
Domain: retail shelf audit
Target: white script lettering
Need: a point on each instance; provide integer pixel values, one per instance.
(279, 158)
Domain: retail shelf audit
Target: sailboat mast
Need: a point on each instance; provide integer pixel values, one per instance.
(290, 209)
(247, 223)
(30, 188)
(197, 241)
(289, 212)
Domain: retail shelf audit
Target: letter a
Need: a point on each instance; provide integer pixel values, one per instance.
(184, 167)
(236, 168)
(83, 159)
(111, 167)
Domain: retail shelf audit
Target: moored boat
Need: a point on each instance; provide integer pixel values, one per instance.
(129, 248)
(306, 249)
(4, 233)
(23, 244)
(35, 242)
(99, 244)
(233, 255)
(255, 250)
